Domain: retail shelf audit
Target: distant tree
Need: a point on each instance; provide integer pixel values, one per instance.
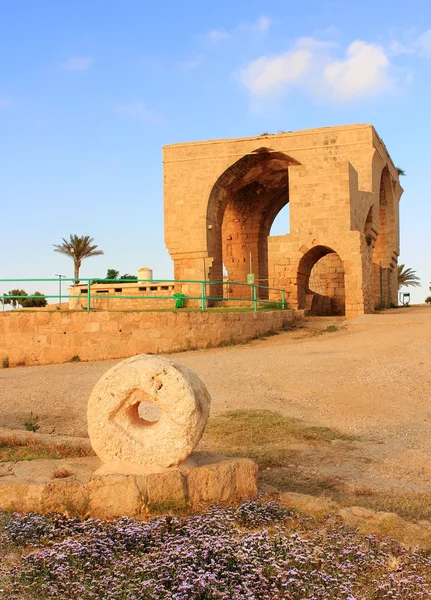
(38, 302)
(112, 274)
(128, 276)
(407, 277)
(428, 300)
(401, 172)
(10, 297)
(78, 248)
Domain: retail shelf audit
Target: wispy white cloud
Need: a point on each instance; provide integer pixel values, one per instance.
(363, 72)
(412, 42)
(217, 35)
(314, 66)
(77, 63)
(189, 65)
(396, 48)
(259, 26)
(5, 103)
(265, 75)
(423, 44)
(140, 112)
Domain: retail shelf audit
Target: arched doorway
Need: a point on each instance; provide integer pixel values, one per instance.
(243, 205)
(320, 281)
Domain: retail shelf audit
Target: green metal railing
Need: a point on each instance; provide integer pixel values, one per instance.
(202, 297)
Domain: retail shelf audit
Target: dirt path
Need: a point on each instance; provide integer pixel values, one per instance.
(371, 379)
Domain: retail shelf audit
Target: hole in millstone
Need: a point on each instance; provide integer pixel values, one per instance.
(149, 412)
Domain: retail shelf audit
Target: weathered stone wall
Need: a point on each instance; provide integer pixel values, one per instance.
(115, 296)
(327, 279)
(54, 337)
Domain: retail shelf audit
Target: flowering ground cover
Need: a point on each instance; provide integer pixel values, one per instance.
(257, 551)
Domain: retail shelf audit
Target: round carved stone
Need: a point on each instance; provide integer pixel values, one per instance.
(148, 411)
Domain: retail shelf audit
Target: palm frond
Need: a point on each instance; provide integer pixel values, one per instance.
(407, 277)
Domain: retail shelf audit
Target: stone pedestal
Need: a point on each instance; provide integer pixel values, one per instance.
(98, 490)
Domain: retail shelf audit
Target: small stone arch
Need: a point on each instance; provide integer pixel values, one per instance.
(320, 282)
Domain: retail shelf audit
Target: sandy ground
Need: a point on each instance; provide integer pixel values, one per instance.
(372, 378)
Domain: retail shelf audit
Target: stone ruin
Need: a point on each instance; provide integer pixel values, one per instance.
(342, 190)
(145, 417)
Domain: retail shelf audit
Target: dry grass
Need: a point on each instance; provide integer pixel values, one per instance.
(290, 454)
(412, 506)
(279, 445)
(262, 427)
(61, 473)
(15, 449)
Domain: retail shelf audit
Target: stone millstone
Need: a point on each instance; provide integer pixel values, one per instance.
(118, 432)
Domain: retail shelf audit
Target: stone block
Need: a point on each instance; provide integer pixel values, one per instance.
(61, 495)
(168, 488)
(114, 496)
(222, 481)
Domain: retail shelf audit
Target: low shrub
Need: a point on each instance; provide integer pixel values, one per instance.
(32, 423)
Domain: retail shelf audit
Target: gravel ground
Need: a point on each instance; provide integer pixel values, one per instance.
(370, 378)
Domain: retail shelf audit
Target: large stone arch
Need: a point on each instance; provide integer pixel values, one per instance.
(242, 206)
(385, 249)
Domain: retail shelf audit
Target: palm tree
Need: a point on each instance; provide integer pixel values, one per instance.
(407, 277)
(78, 248)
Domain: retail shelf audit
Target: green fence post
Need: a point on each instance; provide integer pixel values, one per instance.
(203, 296)
(282, 299)
(89, 296)
(254, 298)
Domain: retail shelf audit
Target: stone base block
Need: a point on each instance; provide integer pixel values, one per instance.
(83, 486)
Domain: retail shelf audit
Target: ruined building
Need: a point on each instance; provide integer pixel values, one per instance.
(340, 256)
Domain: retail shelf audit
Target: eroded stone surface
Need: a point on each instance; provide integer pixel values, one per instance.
(115, 495)
(117, 432)
(198, 482)
(222, 481)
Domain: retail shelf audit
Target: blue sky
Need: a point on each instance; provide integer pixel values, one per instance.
(91, 91)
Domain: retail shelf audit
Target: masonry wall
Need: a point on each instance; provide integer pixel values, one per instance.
(115, 297)
(327, 279)
(48, 338)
